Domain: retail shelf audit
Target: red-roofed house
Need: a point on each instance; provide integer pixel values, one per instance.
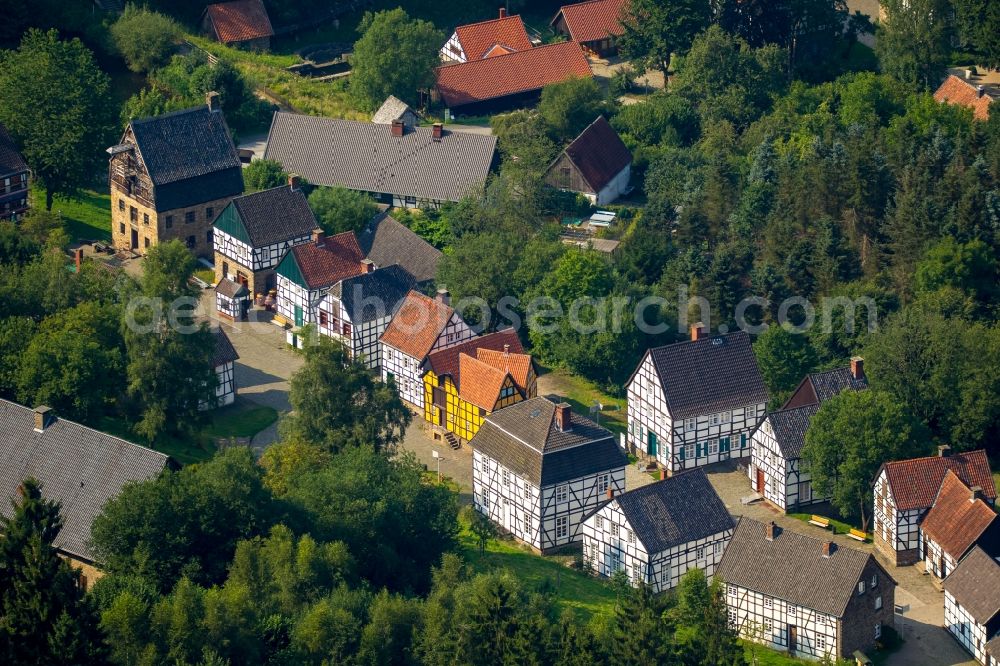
(510, 80)
(594, 25)
(959, 520)
(241, 22)
(906, 489)
(486, 39)
(597, 164)
(957, 91)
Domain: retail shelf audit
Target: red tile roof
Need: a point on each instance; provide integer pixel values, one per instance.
(481, 382)
(446, 361)
(915, 483)
(510, 74)
(594, 20)
(518, 365)
(417, 325)
(956, 91)
(239, 21)
(329, 260)
(479, 39)
(599, 154)
(956, 522)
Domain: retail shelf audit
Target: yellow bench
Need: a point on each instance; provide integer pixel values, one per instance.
(858, 535)
(819, 521)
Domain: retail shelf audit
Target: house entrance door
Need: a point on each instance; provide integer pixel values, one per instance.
(441, 402)
(135, 240)
(793, 638)
(651, 445)
(760, 481)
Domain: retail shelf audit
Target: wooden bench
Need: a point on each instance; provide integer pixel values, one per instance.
(819, 521)
(858, 535)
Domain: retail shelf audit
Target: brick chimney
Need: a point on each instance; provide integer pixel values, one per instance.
(43, 418)
(367, 266)
(698, 331)
(564, 417)
(437, 131)
(506, 350)
(663, 474)
(975, 493)
(212, 101)
(611, 492)
(398, 128)
(78, 258)
(771, 530)
(829, 548)
(980, 90)
(443, 296)
(294, 181)
(318, 235)
(503, 12)
(944, 451)
(857, 367)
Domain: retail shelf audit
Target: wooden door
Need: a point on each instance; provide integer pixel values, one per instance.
(135, 239)
(793, 638)
(440, 398)
(760, 481)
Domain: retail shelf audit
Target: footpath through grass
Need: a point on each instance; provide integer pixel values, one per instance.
(86, 216)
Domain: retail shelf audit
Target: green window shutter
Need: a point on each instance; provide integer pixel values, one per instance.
(680, 452)
(724, 445)
(698, 450)
(298, 315)
(743, 440)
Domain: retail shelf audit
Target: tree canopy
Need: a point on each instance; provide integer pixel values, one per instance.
(339, 209)
(146, 39)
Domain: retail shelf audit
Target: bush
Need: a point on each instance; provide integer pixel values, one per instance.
(145, 38)
(263, 175)
(339, 209)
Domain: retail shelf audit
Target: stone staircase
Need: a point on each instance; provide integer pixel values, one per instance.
(452, 441)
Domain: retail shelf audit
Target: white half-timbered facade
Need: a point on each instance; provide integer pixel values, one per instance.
(658, 532)
(696, 403)
(224, 362)
(810, 598)
(475, 41)
(420, 326)
(538, 470)
(232, 300)
(972, 606)
(906, 489)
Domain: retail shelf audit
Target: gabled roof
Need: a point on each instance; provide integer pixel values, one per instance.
(323, 263)
(709, 375)
(481, 382)
(594, 20)
(792, 567)
(975, 584)
(956, 521)
(445, 361)
(240, 20)
(190, 157)
(818, 387)
(956, 91)
(367, 157)
(417, 325)
(269, 217)
(373, 295)
(386, 241)
(598, 154)
(525, 439)
(79, 467)
(224, 350)
(392, 108)
(10, 160)
(231, 289)
(992, 646)
(915, 483)
(479, 39)
(677, 510)
(511, 73)
(519, 366)
(790, 426)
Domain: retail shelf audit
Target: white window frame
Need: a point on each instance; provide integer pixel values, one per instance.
(878, 630)
(562, 527)
(878, 602)
(562, 492)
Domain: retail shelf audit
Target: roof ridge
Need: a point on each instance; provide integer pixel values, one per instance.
(168, 114)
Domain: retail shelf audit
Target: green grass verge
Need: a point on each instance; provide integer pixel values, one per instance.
(205, 275)
(241, 419)
(838, 526)
(87, 216)
(581, 393)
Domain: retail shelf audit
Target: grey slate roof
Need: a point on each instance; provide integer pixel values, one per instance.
(190, 157)
(790, 426)
(975, 583)
(230, 288)
(830, 383)
(525, 439)
(792, 567)
(709, 375)
(392, 108)
(78, 467)
(677, 510)
(373, 295)
(367, 157)
(10, 160)
(386, 241)
(276, 215)
(224, 350)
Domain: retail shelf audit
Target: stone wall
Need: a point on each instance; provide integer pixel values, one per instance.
(155, 230)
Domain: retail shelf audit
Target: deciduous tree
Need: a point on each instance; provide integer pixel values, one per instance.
(145, 38)
(914, 41)
(339, 209)
(655, 30)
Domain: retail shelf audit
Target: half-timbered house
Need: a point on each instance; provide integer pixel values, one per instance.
(814, 599)
(695, 403)
(420, 326)
(224, 362)
(658, 532)
(538, 469)
(777, 471)
(972, 606)
(253, 233)
(958, 521)
(905, 490)
(170, 176)
(595, 25)
(597, 164)
(357, 309)
(14, 174)
(486, 39)
(464, 383)
(232, 299)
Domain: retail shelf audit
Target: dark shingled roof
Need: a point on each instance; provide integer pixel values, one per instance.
(975, 583)
(682, 508)
(386, 241)
(367, 157)
(524, 438)
(709, 375)
(790, 426)
(78, 467)
(599, 154)
(832, 382)
(276, 215)
(10, 160)
(230, 288)
(190, 157)
(373, 295)
(792, 567)
(993, 645)
(224, 350)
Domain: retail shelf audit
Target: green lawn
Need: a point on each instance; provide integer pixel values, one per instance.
(838, 526)
(241, 419)
(581, 393)
(205, 275)
(87, 216)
